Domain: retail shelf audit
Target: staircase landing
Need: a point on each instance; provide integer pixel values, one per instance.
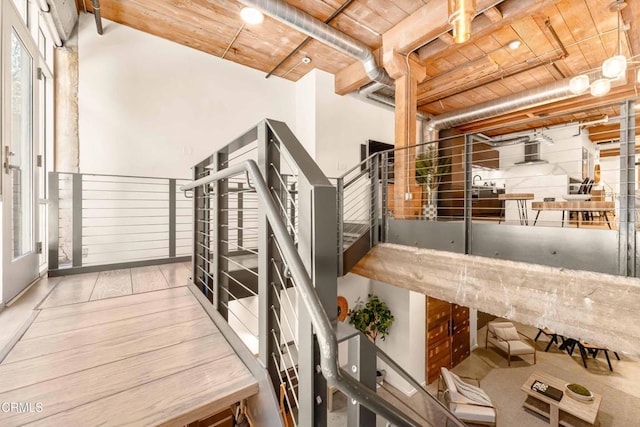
(146, 359)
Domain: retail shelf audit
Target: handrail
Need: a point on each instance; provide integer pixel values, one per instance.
(327, 340)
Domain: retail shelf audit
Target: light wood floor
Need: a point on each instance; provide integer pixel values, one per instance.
(148, 356)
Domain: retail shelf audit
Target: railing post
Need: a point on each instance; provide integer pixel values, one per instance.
(220, 237)
(54, 225)
(172, 218)
(240, 219)
(374, 218)
(268, 306)
(627, 228)
(362, 366)
(201, 261)
(76, 186)
(316, 246)
(340, 212)
(468, 202)
(385, 196)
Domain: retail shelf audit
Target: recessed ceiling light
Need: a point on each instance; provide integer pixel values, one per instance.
(251, 16)
(514, 44)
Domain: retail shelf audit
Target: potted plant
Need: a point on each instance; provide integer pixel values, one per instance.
(373, 319)
(430, 167)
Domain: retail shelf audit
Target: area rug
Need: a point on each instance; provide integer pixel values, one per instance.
(503, 386)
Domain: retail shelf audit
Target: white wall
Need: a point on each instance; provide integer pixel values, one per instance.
(340, 123)
(550, 179)
(152, 107)
(405, 343)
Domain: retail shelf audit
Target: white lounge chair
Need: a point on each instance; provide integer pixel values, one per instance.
(467, 402)
(506, 337)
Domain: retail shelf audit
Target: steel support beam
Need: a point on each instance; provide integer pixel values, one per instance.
(627, 229)
(362, 366)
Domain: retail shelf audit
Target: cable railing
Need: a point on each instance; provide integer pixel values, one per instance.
(278, 291)
(99, 222)
(546, 195)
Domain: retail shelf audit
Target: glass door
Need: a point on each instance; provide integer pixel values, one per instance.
(19, 172)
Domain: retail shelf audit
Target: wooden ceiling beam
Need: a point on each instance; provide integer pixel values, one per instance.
(609, 131)
(425, 24)
(511, 10)
(353, 77)
(494, 14)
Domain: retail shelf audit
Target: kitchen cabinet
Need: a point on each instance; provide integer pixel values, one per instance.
(451, 188)
(447, 336)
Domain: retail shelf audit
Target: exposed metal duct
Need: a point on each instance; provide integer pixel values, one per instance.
(97, 15)
(324, 33)
(551, 92)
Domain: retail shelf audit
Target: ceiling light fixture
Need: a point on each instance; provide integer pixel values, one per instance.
(251, 16)
(600, 87)
(461, 13)
(579, 84)
(616, 65)
(514, 44)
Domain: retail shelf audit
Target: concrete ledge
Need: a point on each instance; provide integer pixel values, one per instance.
(598, 308)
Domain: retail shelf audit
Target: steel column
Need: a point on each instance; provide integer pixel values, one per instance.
(362, 366)
(317, 243)
(76, 192)
(627, 229)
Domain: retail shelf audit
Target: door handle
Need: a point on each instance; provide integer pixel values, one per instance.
(7, 165)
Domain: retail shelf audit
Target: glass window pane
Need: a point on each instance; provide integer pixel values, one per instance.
(20, 148)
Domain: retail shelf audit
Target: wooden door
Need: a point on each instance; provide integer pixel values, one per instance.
(447, 336)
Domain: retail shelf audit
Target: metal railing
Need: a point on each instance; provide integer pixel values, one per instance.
(533, 195)
(278, 290)
(99, 222)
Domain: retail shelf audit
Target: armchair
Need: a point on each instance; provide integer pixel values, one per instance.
(467, 402)
(506, 337)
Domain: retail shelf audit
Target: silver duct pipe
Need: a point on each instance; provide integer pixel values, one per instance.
(551, 92)
(324, 33)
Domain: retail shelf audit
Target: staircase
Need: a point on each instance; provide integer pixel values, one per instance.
(264, 262)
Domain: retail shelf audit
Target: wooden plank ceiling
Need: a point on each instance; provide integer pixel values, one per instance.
(458, 76)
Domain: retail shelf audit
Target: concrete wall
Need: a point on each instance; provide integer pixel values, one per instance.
(152, 107)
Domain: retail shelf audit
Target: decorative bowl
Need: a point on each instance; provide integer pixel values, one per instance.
(578, 396)
(577, 197)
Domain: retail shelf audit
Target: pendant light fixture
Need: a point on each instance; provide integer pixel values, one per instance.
(461, 13)
(616, 65)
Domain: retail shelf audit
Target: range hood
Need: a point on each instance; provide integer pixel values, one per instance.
(532, 153)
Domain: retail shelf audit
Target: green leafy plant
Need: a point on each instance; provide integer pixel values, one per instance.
(372, 318)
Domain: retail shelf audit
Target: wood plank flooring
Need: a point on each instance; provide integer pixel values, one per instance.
(148, 358)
